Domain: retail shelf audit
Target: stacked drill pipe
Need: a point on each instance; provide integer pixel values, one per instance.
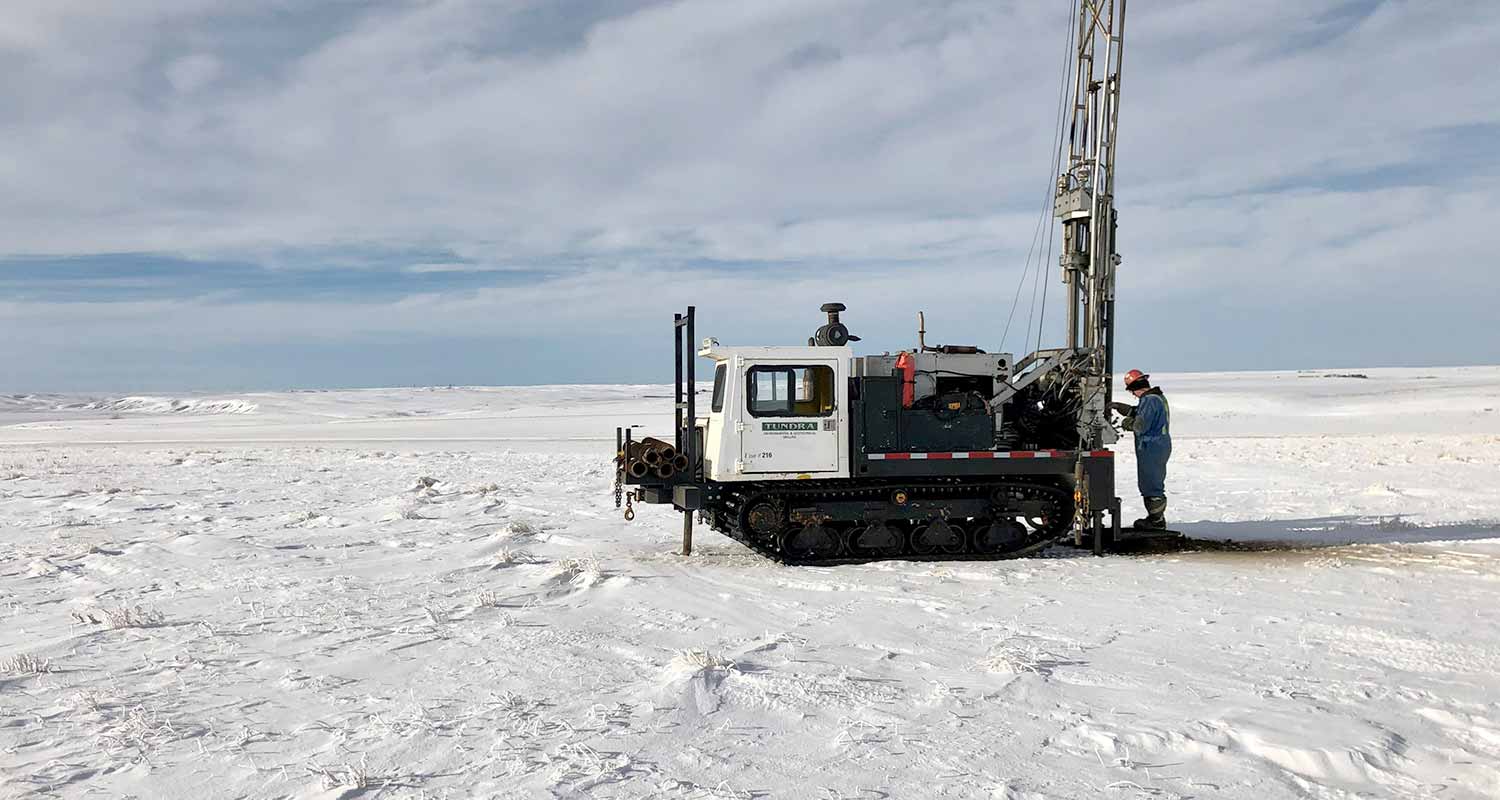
(650, 455)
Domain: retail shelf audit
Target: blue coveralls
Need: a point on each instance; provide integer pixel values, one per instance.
(1153, 443)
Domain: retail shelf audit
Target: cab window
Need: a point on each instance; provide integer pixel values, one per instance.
(720, 373)
(790, 391)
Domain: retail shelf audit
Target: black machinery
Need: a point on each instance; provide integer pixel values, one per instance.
(812, 454)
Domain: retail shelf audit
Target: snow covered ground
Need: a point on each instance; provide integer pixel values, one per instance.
(428, 593)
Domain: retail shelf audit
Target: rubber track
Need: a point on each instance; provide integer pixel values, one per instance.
(790, 493)
(843, 560)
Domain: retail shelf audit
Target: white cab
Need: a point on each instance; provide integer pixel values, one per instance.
(778, 413)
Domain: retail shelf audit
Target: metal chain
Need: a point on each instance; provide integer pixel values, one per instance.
(619, 484)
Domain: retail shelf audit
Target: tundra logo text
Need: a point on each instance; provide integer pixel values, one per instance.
(781, 427)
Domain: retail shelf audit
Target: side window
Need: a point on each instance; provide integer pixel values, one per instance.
(790, 391)
(720, 373)
(814, 397)
(768, 392)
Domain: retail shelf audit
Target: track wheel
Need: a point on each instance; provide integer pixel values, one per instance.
(999, 536)
(876, 540)
(765, 519)
(1052, 525)
(809, 542)
(939, 537)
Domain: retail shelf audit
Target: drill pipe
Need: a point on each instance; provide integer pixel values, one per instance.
(642, 451)
(665, 449)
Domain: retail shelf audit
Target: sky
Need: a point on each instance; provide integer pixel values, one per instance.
(220, 195)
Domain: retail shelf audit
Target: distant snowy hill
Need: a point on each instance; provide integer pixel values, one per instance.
(136, 404)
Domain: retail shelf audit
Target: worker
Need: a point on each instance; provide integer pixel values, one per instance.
(1149, 422)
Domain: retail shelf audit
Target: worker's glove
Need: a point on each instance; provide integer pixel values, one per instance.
(1124, 409)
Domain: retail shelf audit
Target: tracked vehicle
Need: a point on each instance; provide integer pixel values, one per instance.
(814, 455)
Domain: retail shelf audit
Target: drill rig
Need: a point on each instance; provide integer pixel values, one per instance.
(813, 455)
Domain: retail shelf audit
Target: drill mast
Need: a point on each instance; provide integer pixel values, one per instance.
(1084, 203)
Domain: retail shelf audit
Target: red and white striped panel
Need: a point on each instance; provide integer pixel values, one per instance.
(986, 454)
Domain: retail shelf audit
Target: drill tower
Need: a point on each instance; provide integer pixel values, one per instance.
(1084, 203)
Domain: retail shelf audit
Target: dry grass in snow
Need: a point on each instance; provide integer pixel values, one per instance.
(690, 662)
(117, 617)
(26, 664)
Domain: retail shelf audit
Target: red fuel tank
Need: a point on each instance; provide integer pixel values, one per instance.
(907, 366)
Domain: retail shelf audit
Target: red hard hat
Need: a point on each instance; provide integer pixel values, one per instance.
(1135, 375)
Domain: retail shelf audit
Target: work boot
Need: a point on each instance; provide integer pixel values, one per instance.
(1156, 515)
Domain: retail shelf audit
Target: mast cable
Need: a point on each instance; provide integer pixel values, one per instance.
(1056, 166)
(1044, 215)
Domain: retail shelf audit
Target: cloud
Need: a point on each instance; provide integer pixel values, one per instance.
(193, 72)
(804, 150)
(403, 125)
